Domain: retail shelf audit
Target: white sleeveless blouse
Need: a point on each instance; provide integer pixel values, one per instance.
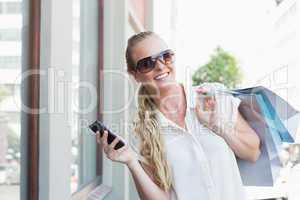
(203, 165)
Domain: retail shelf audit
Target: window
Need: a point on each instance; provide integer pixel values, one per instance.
(84, 95)
(10, 125)
(1, 8)
(13, 7)
(10, 35)
(75, 96)
(10, 61)
(85, 155)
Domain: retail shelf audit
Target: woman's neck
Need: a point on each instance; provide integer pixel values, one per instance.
(171, 100)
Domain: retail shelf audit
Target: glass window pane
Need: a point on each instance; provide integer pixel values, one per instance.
(10, 35)
(10, 128)
(13, 7)
(75, 81)
(1, 7)
(84, 72)
(10, 61)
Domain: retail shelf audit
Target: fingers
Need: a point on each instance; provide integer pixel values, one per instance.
(209, 104)
(205, 110)
(104, 138)
(206, 104)
(201, 89)
(204, 91)
(202, 116)
(207, 98)
(124, 148)
(109, 148)
(98, 138)
(114, 142)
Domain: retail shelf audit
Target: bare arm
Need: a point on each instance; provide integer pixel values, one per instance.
(144, 183)
(143, 180)
(241, 138)
(244, 141)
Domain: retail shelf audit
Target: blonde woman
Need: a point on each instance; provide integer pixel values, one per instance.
(184, 149)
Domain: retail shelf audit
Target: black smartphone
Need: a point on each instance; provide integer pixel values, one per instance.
(99, 126)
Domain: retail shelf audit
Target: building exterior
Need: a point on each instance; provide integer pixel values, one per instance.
(279, 71)
(10, 61)
(284, 45)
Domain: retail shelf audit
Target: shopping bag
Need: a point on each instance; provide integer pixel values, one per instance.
(284, 116)
(269, 115)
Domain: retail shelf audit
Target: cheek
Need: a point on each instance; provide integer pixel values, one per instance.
(172, 69)
(146, 77)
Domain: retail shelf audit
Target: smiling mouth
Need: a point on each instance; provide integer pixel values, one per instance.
(161, 76)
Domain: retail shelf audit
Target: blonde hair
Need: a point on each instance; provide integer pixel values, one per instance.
(146, 126)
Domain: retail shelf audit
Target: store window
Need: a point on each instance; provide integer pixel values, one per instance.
(10, 61)
(10, 34)
(13, 7)
(10, 125)
(85, 68)
(1, 8)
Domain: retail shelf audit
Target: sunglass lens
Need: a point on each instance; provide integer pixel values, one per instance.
(168, 57)
(146, 65)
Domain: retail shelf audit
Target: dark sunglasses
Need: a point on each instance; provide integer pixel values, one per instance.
(147, 64)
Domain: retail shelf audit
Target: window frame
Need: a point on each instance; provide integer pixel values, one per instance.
(96, 188)
(34, 100)
(100, 89)
(31, 98)
(29, 183)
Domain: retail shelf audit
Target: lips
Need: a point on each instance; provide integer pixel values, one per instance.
(161, 76)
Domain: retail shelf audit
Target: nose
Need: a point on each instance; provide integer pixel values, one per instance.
(159, 64)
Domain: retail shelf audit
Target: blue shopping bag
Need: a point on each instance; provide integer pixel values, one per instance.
(269, 115)
(281, 113)
(274, 144)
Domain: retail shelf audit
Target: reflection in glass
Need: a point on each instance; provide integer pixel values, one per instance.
(75, 96)
(10, 68)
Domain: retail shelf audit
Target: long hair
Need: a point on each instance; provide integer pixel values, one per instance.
(146, 126)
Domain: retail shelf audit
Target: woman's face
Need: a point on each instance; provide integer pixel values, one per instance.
(163, 75)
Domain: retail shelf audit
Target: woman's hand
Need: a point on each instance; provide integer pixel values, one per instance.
(206, 108)
(123, 155)
(221, 115)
